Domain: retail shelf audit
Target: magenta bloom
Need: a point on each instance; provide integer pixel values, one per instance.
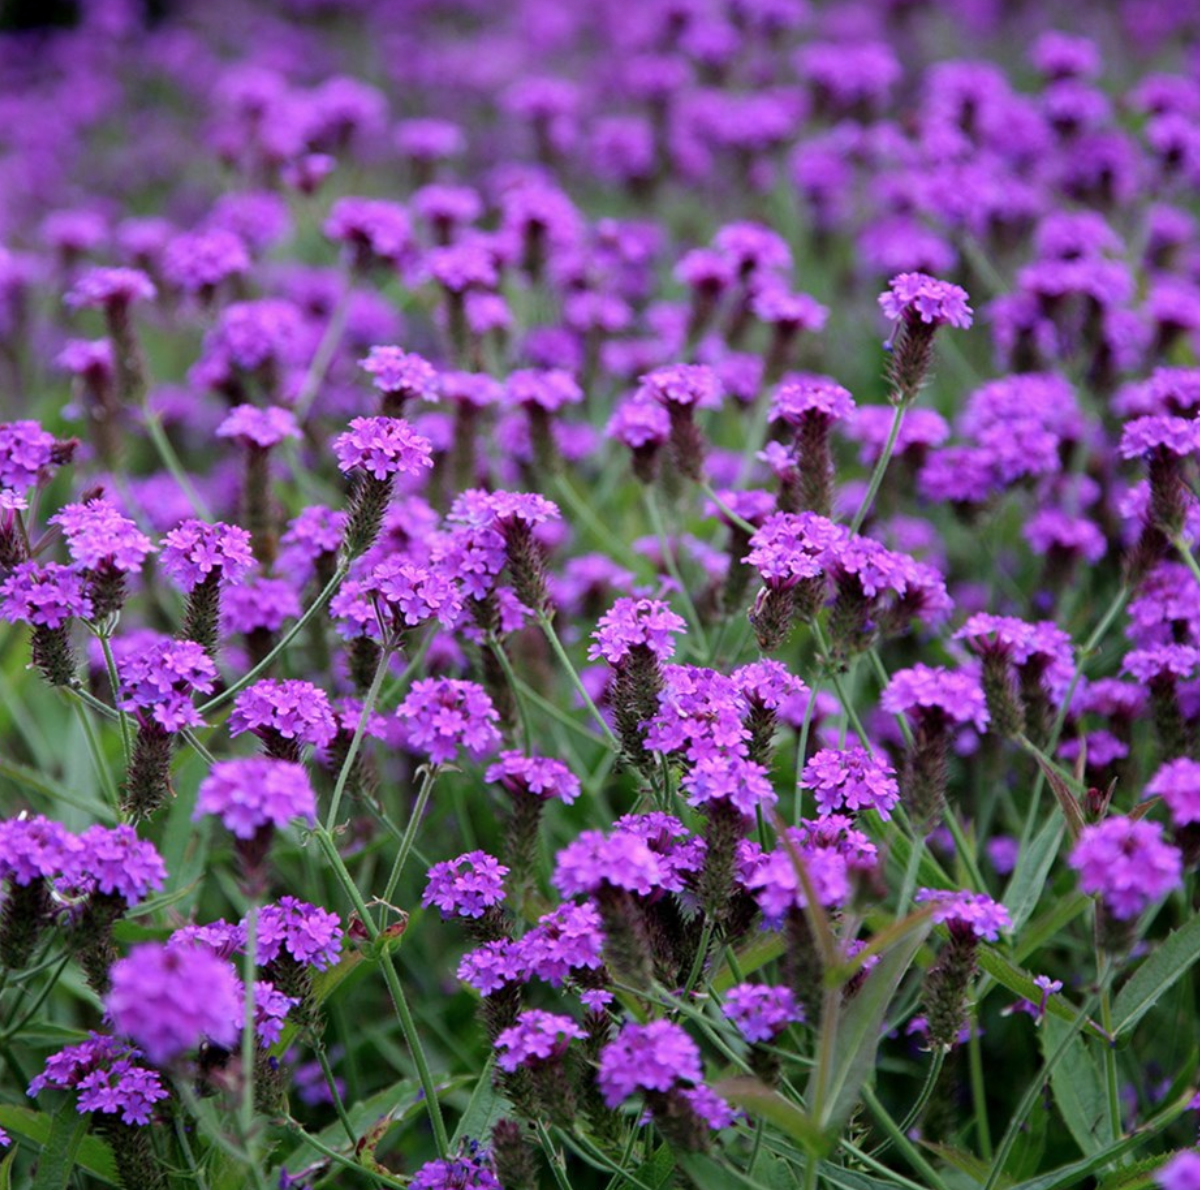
(270, 1012)
(307, 934)
(96, 534)
(966, 912)
(168, 999)
(1182, 1172)
(793, 546)
(110, 287)
(467, 886)
(161, 680)
(261, 428)
(1178, 784)
(1173, 435)
(777, 885)
(811, 398)
(851, 779)
(197, 262)
(26, 451)
(1127, 863)
(489, 967)
(382, 446)
(106, 1076)
(294, 709)
(402, 373)
(954, 694)
(48, 596)
(115, 862)
(621, 859)
(412, 593)
(536, 1037)
(569, 938)
(535, 776)
(631, 623)
(250, 794)
(33, 848)
(694, 386)
(464, 1172)
(760, 1012)
(440, 716)
(922, 298)
(194, 550)
(651, 1057)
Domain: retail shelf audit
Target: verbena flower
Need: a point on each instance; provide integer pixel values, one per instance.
(630, 623)
(467, 886)
(259, 428)
(107, 1077)
(382, 447)
(195, 550)
(652, 1057)
(440, 717)
(161, 681)
(536, 1037)
(169, 999)
(535, 776)
(46, 596)
(973, 913)
(309, 935)
(1178, 784)
(256, 792)
(289, 710)
(761, 1012)
(851, 779)
(115, 862)
(1127, 863)
(97, 535)
(464, 1172)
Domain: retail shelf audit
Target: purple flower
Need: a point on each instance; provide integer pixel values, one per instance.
(32, 849)
(26, 453)
(107, 1077)
(47, 596)
(412, 593)
(96, 534)
(270, 1012)
(467, 886)
(851, 779)
(1182, 1172)
(1173, 435)
(652, 1057)
(309, 935)
(194, 550)
(793, 546)
(631, 623)
(374, 229)
(768, 684)
(547, 389)
(811, 398)
(382, 446)
(777, 884)
(536, 1037)
(259, 603)
(402, 373)
(689, 386)
(260, 428)
(1127, 863)
(1159, 661)
(566, 939)
(1178, 784)
(966, 912)
(440, 716)
(115, 862)
(534, 776)
(197, 262)
(919, 297)
(255, 792)
(464, 1172)
(110, 287)
(955, 694)
(639, 423)
(168, 999)
(761, 1012)
(621, 859)
(161, 679)
(700, 713)
(730, 778)
(294, 709)
(489, 967)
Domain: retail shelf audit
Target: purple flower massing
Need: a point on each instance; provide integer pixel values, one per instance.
(1178, 784)
(811, 398)
(194, 550)
(565, 940)
(305, 933)
(410, 594)
(954, 694)
(46, 596)
(107, 1077)
(793, 546)
(291, 708)
(110, 287)
(251, 793)
(113, 861)
(162, 679)
(403, 374)
(537, 1037)
(169, 999)
(1127, 863)
(197, 262)
(688, 386)
(97, 534)
(921, 298)
(467, 886)
(851, 779)
(375, 230)
(966, 912)
(382, 447)
(549, 389)
(634, 623)
(777, 885)
(760, 1012)
(652, 1057)
(32, 848)
(441, 716)
(259, 428)
(467, 1171)
(534, 776)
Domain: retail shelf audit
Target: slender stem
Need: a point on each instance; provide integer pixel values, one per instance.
(963, 848)
(983, 1132)
(323, 357)
(368, 709)
(694, 974)
(304, 1136)
(931, 1078)
(98, 761)
(249, 972)
(410, 831)
(911, 1153)
(836, 679)
(881, 465)
(334, 1093)
(497, 647)
(110, 665)
(1104, 966)
(1185, 552)
(12, 1031)
(802, 752)
(558, 1166)
(547, 627)
(327, 593)
(170, 460)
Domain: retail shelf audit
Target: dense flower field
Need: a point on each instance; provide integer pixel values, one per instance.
(599, 595)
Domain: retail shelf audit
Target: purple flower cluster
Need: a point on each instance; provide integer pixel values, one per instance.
(440, 717)
(97, 534)
(636, 623)
(305, 933)
(760, 1012)
(851, 779)
(536, 1037)
(1127, 863)
(292, 709)
(652, 1057)
(48, 596)
(1178, 784)
(107, 1078)
(250, 794)
(467, 886)
(534, 776)
(955, 695)
(193, 551)
(974, 913)
(161, 681)
(381, 447)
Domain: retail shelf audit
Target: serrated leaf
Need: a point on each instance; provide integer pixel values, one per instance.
(1168, 964)
(6, 1170)
(1021, 983)
(1029, 879)
(657, 1169)
(1079, 1087)
(36, 1127)
(1140, 1174)
(56, 1161)
(976, 1169)
(765, 1103)
(859, 1026)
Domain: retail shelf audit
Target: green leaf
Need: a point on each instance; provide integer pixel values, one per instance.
(1021, 983)
(657, 1169)
(1079, 1086)
(1026, 1158)
(487, 1105)
(713, 1175)
(767, 946)
(859, 1026)
(1029, 880)
(976, 1169)
(1163, 968)
(765, 1103)
(57, 1158)
(1140, 1174)
(1067, 801)
(6, 1170)
(37, 1127)
(848, 1179)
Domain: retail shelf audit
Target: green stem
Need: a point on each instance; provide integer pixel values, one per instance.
(249, 1040)
(110, 665)
(911, 1153)
(668, 555)
(726, 511)
(914, 1113)
(410, 831)
(962, 848)
(305, 1137)
(98, 761)
(1184, 551)
(705, 942)
(497, 647)
(983, 1132)
(881, 465)
(170, 460)
(1104, 966)
(327, 593)
(547, 627)
(360, 730)
(334, 1093)
(558, 1166)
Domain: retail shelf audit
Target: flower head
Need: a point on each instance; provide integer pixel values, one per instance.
(536, 1037)
(258, 791)
(440, 716)
(107, 1077)
(261, 428)
(292, 708)
(955, 694)
(968, 912)
(115, 862)
(922, 298)
(1178, 784)
(161, 679)
(382, 446)
(96, 533)
(308, 935)
(652, 1057)
(633, 623)
(851, 779)
(194, 550)
(467, 886)
(761, 1012)
(402, 373)
(1127, 863)
(47, 596)
(534, 776)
